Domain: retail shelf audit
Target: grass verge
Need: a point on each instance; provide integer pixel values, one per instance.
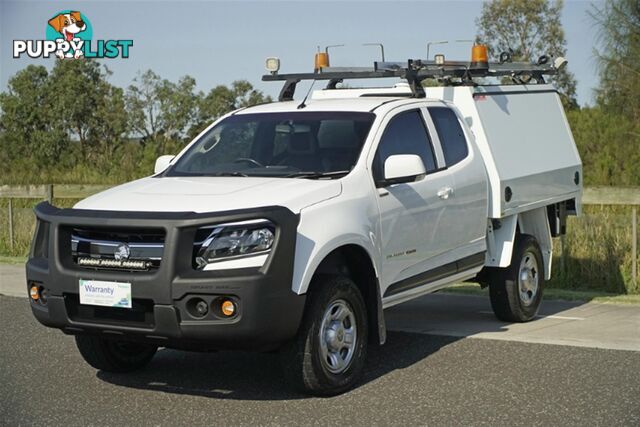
(12, 260)
(553, 294)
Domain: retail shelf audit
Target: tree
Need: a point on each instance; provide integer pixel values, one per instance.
(178, 106)
(528, 29)
(30, 127)
(619, 57)
(222, 99)
(90, 108)
(161, 111)
(607, 146)
(72, 124)
(143, 106)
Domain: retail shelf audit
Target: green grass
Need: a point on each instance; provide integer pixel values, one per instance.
(597, 250)
(553, 294)
(12, 259)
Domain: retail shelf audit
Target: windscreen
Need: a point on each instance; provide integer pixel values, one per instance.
(290, 144)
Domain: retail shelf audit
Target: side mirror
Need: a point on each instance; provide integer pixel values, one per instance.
(163, 163)
(401, 168)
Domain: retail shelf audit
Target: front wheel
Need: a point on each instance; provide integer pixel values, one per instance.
(516, 291)
(328, 354)
(114, 356)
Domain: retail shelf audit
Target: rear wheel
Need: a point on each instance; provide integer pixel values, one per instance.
(516, 291)
(114, 356)
(329, 352)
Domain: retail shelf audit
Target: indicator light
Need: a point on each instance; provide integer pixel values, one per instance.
(228, 308)
(34, 292)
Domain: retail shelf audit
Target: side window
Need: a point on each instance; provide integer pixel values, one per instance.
(405, 134)
(454, 143)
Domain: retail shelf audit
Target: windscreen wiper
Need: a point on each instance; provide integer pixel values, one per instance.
(317, 175)
(230, 174)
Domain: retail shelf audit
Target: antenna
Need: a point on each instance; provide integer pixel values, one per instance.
(302, 104)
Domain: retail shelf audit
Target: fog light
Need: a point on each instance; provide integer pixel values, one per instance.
(202, 308)
(228, 308)
(44, 296)
(34, 292)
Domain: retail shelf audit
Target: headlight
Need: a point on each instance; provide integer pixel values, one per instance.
(236, 245)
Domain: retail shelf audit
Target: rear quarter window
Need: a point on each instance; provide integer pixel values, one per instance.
(452, 139)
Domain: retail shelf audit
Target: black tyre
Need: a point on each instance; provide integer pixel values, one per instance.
(114, 356)
(328, 354)
(516, 291)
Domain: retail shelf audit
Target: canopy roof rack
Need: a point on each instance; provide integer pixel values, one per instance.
(416, 70)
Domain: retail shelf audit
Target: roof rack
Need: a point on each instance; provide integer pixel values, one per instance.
(416, 70)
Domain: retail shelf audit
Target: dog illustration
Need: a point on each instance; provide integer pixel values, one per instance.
(68, 24)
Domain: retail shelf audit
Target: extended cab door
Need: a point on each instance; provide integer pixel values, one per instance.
(468, 206)
(415, 226)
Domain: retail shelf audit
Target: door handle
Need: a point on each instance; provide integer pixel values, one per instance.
(445, 192)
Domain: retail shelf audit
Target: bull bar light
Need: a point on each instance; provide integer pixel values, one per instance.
(234, 245)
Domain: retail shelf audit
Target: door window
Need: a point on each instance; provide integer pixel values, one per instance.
(405, 134)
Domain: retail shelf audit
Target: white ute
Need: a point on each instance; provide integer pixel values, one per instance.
(292, 225)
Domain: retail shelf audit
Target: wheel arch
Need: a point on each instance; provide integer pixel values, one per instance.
(354, 261)
(501, 235)
(536, 223)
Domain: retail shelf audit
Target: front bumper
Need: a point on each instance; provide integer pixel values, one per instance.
(269, 312)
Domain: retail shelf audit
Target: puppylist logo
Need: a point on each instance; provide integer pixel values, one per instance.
(69, 35)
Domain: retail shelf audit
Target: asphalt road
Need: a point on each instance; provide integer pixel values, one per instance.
(416, 378)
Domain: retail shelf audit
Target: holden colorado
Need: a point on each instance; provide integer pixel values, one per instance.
(292, 225)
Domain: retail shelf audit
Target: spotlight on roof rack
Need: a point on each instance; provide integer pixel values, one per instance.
(505, 57)
(439, 59)
(272, 64)
(559, 63)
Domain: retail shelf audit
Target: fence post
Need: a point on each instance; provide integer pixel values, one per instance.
(11, 223)
(563, 255)
(49, 193)
(634, 245)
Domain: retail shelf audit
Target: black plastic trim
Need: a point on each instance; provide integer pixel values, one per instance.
(436, 274)
(384, 103)
(269, 311)
(515, 92)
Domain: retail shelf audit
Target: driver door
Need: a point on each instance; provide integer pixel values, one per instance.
(412, 214)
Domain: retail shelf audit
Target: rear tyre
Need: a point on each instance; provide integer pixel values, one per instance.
(328, 354)
(114, 356)
(516, 291)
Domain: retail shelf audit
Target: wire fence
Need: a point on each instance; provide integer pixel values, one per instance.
(600, 250)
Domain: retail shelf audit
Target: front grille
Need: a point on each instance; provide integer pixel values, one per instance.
(130, 250)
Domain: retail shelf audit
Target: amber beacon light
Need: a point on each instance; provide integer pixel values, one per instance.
(321, 61)
(479, 57)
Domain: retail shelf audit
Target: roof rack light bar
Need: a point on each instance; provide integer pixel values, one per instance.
(417, 70)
